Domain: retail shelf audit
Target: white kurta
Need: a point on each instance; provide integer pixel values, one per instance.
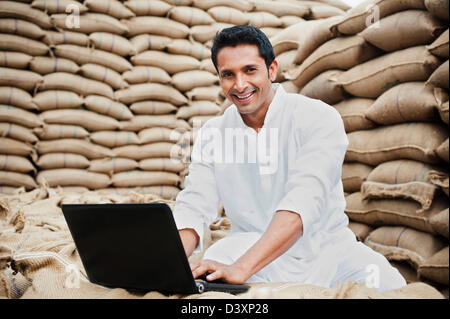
(293, 163)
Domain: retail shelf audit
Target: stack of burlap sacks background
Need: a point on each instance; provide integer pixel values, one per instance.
(104, 106)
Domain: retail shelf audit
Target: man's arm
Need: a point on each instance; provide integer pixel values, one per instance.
(190, 240)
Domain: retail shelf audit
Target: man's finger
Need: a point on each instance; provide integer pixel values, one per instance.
(194, 265)
(215, 275)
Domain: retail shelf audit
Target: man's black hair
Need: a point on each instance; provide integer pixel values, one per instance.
(243, 34)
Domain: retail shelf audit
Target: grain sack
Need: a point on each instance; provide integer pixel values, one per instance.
(140, 122)
(14, 147)
(352, 112)
(403, 243)
(72, 177)
(112, 165)
(103, 74)
(440, 46)
(57, 6)
(204, 33)
(208, 65)
(152, 108)
(146, 74)
(57, 99)
(191, 48)
(339, 53)
(26, 80)
(324, 11)
(209, 93)
(90, 23)
(442, 151)
(406, 102)
(87, 119)
(15, 60)
(58, 131)
(440, 223)
(172, 63)
(105, 106)
(190, 16)
(198, 108)
(443, 111)
(44, 65)
(75, 83)
(14, 9)
(159, 134)
(324, 87)
(161, 164)
(17, 132)
(187, 80)
(76, 146)
(435, 268)
(263, 20)
(83, 55)
(360, 230)
(229, 15)
(243, 5)
(289, 20)
(154, 150)
(146, 42)
(285, 62)
(8, 190)
(17, 180)
(439, 77)
(270, 32)
(141, 178)
(416, 141)
(198, 121)
(65, 37)
(112, 43)
(281, 9)
(353, 175)
(407, 272)
(16, 164)
(10, 95)
(438, 8)
(62, 160)
(110, 7)
(114, 139)
(19, 116)
(150, 91)
(290, 87)
(21, 27)
(439, 179)
(148, 8)
(156, 26)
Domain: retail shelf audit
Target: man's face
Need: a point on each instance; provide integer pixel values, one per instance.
(244, 77)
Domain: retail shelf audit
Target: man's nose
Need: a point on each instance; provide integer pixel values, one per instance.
(241, 83)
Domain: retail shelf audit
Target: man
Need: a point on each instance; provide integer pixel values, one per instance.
(286, 209)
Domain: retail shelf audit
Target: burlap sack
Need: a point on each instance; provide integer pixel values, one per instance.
(439, 77)
(9, 190)
(152, 108)
(72, 177)
(21, 27)
(209, 93)
(339, 53)
(412, 28)
(190, 16)
(352, 112)
(290, 87)
(140, 122)
(186, 47)
(15, 60)
(229, 15)
(62, 160)
(14, 9)
(440, 46)
(147, 8)
(360, 230)
(162, 191)
(15, 179)
(113, 8)
(146, 74)
(153, 150)
(10, 95)
(16, 164)
(112, 165)
(44, 65)
(103, 74)
(150, 91)
(12, 114)
(57, 6)
(26, 80)
(281, 9)
(204, 33)
(66, 37)
(172, 63)
(439, 179)
(159, 134)
(146, 42)
(435, 268)
(289, 20)
(243, 5)
(208, 65)
(198, 108)
(57, 99)
(440, 223)
(353, 175)
(443, 112)
(185, 81)
(199, 120)
(438, 8)
(141, 178)
(263, 20)
(105, 106)
(58, 131)
(17, 132)
(156, 26)
(112, 43)
(161, 164)
(372, 78)
(407, 272)
(442, 151)
(87, 119)
(324, 87)
(76, 146)
(91, 22)
(406, 102)
(285, 62)
(114, 139)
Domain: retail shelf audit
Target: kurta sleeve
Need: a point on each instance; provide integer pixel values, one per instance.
(197, 204)
(321, 144)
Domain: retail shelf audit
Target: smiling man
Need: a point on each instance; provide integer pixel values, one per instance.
(288, 223)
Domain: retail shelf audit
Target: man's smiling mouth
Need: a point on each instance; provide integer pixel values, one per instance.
(243, 98)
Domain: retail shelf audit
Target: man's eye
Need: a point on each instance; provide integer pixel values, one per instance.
(251, 69)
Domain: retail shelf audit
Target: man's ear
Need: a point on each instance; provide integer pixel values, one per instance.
(273, 70)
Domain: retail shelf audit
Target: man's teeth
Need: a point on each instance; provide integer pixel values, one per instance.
(245, 96)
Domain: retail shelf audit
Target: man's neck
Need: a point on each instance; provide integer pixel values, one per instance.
(256, 119)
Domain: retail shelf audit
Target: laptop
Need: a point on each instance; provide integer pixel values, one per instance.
(135, 247)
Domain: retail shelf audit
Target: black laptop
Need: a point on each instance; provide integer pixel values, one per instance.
(136, 247)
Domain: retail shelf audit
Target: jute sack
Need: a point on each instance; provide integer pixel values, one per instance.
(17, 132)
(15, 60)
(58, 131)
(14, 9)
(440, 46)
(187, 80)
(372, 78)
(12, 114)
(159, 134)
(360, 230)
(211, 93)
(73, 177)
(281, 9)
(401, 179)
(62, 160)
(198, 108)
(243, 5)
(336, 3)
(76, 146)
(263, 20)
(412, 28)
(172, 63)
(112, 43)
(44, 65)
(353, 175)
(406, 102)
(52, 38)
(271, 31)
(439, 77)
(146, 74)
(352, 112)
(152, 108)
(57, 99)
(87, 119)
(140, 122)
(83, 55)
(204, 33)
(112, 165)
(142, 178)
(440, 223)
(289, 20)
(324, 87)
(161, 164)
(339, 53)
(26, 80)
(191, 48)
(198, 121)
(75, 83)
(416, 141)
(163, 191)
(144, 42)
(105, 106)
(403, 243)
(150, 91)
(8, 190)
(17, 180)
(103, 74)
(285, 62)
(10, 95)
(440, 179)
(113, 8)
(156, 26)
(153, 150)
(57, 6)
(147, 8)
(90, 23)
(21, 27)
(442, 151)
(114, 139)
(324, 11)
(190, 16)
(290, 87)
(443, 111)
(208, 65)
(438, 8)
(229, 15)
(435, 268)
(407, 272)
(15, 163)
